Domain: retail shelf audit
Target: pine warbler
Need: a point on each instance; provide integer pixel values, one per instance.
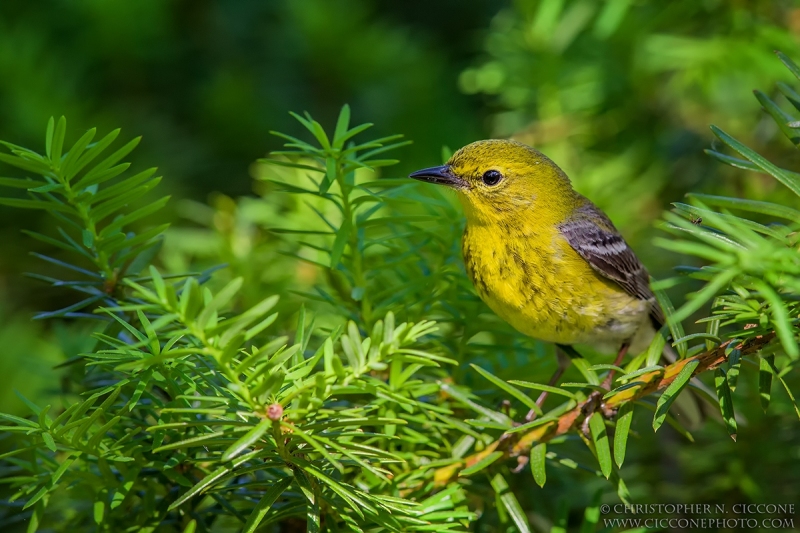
(542, 256)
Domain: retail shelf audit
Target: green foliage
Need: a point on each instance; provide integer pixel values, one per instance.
(753, 275)
(88, 198)
(358, 225)
(597, 427)
(620, 93)
(194, 411)
(621, 432)
(666, 399)
(200, 408)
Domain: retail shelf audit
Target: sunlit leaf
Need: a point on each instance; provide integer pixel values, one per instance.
(675, 388)
(597, 427)
(621, 431)
(510, 503)
(513, 391)
(483, 463)
(792, 182)
(538, 459)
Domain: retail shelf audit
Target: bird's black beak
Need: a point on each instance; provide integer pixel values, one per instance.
(442, 175)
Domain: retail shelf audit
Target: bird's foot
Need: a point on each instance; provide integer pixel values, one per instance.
(594, 404)
(588, 409)
(505, 407)
(522, 462)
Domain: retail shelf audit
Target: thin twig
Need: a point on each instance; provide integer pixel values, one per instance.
(513, 446)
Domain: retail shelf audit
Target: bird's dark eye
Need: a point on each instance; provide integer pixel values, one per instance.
(492, 177)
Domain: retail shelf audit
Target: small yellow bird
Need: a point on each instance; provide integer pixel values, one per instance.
(542, 256)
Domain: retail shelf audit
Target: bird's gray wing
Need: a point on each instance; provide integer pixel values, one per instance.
(590, 233)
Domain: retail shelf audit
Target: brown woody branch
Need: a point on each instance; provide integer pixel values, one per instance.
(513, 446)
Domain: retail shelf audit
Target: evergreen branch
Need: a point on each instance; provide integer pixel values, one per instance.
(91, 202)
(512, 446)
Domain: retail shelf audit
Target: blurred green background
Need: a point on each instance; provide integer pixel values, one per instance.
(620, 93)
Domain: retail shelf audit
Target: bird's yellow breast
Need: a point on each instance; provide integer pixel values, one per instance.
(531, 277)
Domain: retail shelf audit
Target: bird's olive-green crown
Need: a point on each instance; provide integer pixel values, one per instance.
(499, 178)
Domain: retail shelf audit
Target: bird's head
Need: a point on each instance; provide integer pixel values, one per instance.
(498, 179)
